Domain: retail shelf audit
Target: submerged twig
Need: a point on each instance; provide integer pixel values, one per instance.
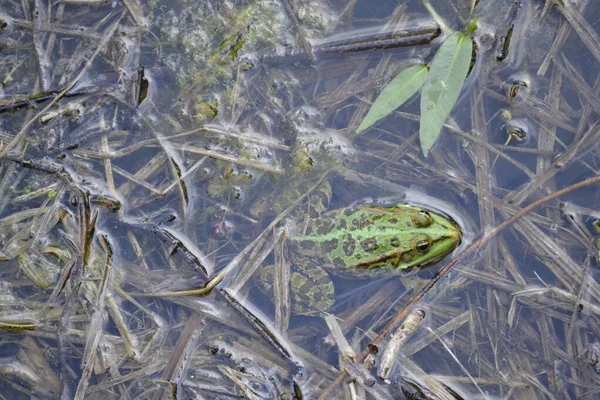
(410, 36)
(19, 136)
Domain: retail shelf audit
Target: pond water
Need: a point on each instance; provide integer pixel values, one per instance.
(162, 163)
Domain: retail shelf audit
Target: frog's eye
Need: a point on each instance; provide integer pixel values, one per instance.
(421, 244)
(422, 219)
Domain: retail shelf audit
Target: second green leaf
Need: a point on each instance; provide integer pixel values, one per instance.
(447, 74)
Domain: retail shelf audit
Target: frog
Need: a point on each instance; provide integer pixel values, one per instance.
(362, 241)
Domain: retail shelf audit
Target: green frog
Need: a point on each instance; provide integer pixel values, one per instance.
(362, 241)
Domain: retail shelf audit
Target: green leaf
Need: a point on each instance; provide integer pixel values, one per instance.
(445, 81)
(398, 91)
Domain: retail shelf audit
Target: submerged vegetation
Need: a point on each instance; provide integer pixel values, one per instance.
(157, 156)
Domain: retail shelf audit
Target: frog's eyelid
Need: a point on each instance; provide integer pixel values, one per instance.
(423, 219)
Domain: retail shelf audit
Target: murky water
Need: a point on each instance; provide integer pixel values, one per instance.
(157, 155)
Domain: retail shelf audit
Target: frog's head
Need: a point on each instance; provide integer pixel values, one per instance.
(434, 236)
(410, 236)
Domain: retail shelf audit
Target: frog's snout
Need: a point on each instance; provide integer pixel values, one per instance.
(457, 237)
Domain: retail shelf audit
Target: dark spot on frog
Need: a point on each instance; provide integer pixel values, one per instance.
(323, 280)
(395, 242)
(304, 287)
(376, 217)
(364, 223)
(360, 224)
(343, 224)
(369, 245)
(348, 211)
(393, 221)
(307, 244)
(338, 262)
(316, 296)
(329, 245)
(324, 227)
(349, 245)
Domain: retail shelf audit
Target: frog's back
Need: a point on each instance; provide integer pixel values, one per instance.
(360, 238)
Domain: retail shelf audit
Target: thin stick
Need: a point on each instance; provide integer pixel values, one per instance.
(446, 269)
(101, 46)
